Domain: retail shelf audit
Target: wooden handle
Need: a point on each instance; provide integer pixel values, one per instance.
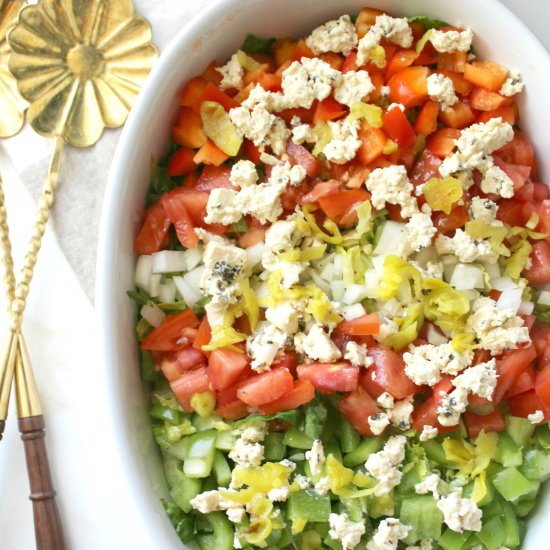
(47, 523)
(2, 426)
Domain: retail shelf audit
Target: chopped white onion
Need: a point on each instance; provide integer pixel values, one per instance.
(371, 283)
(493, 270)
(193, 257)
(435, 337)
(338, 289)
(154, 285)
(169, 261)
(328, 272)
(152, 314)
(544, 298)
(322, 284)
(503, 283)
(526, 308)
(466, 277)
(144, 269)
(378, 263)
(353, 312)
(190, 295)
(261, 290)
(167, 293)
(472, 294)
(394, 239)
(254, 253)
(354, 293)
(193, 278)
(510, 299)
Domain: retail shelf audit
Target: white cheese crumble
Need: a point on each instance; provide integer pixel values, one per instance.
(323, 485)
(243, 174)
(388, 534)
(232, 73)
(536, 418)
(303, 133)
(496, 329)
(264, 345)
(285, 316)
(348, 532)
(513, 84)
(460, 514)
(484, 210)
(247, 454)
(384, 465)
(451, 407)
(386, 400)
(425, 364)
(316, 457)
(391, 185)
(302, 481)
(213, 501)
(352, 87)
(223, 207)
(401, 413)
(428, 432)
(480, 379)
(356, 354)
(466, 248)
(344, 141)
(496, 180)
(378, 422)
(334, 36)
(421, 230)
(279, 494)
(317, 345)
(452, 41)
(430, 484)
(441, 90)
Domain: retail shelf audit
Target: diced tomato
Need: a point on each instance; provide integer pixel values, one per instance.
(542, 386)
(301, 50)
(302, 393)
(447, 223)
(518, 174)
(300, 155)
(322, 189)
(409, 86)
(188, 129)
(452, 61)
(525, 382)
(458, 115)
(328, 109)
(188, 384)
(288, 360)
(398, 128)
(251, 151)
(484, 100)
(426, 167)
(210, 154)
(328, 377)
(442, 142)
(350, 63)
(192, 91)
(175, 206)
(168, 335)
(266, 387)
(225, 367)
(426, 122)
(210, 74)
(357, 406)
(539, 272)
(337, 204)
(388, 372)
(401, 59)
(175, 364)
(492, 422)
(212, 93)
(365, 325)
(373, 141)
(461, 86)
(508, 114)
(527, 403)
(181, 162)
(232, 411)
(283, 49)
(518, 151)
(213, 177)
(486, 74)
(204, 334)
(509, 366)
(366, 19)
(426, 413)
(254, 235)
(153, 235)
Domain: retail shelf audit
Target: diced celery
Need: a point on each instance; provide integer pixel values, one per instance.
(542, 435)
(200, 454)
(297, 439)
(519, 429)
(352, 507)
(311, 540)
(510, 453)
(512, 485)
(383, 505)
(222, 536)
(524, 507)
(409, 480)
(182, 488)
(205, 422)
(435, 452)
(314, 419)
(493, 509)
(333, 544)
(274, 448)
(483, 491)
(225, 440)
(423, 515)
(363, 451)
(331, 447)
(451, 540)
(349, 437)
(492, 534)
(309, 505)
(222, 471)
(536, 465)
(160, 412)
(179, 449)
(511, 526)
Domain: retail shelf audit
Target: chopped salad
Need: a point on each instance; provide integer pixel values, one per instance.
(344, 290)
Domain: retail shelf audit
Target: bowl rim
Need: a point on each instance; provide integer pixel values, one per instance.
(106, 287)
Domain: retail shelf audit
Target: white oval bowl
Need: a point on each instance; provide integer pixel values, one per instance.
(215, 34)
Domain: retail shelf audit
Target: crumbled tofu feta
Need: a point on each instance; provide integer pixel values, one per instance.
(335, 36)
(352, 87)
(384, 465)
(536, 418)
(206, 502)
(451, 407)
(388, 534)
(285, 316)
(303, 133)
(243, 174)
(421, 230)
(513, 85)
(303, 482)
(317, 345)
(356, 354)
(460, 514)
(425, 364)
(264, 345)
(378, 422)
(480, 379)
(475, 145)
(344, 141)
(348, 532)
(278, 495)
(391, 185)
(496, 329)
(497, 181)
(316, 457)
(235, 515)
(395, 29)
(430, 484)
(323, 485)
(225, 268)
(441, 90)
(232, 73)
(223, 207)
(247, 454)
(466, 248)
(428, 432)
(307, 80)
(484, 210)
(452, 41)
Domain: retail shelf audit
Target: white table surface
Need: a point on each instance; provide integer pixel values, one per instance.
(60, 325)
